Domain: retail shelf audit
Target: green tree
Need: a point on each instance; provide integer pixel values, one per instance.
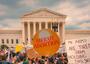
(4, 47)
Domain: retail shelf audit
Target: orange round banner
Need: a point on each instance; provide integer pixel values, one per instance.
(46, 42)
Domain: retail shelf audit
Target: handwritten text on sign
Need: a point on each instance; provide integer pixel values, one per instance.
(78, 51)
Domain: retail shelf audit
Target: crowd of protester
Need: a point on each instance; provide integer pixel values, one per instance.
(21, 58)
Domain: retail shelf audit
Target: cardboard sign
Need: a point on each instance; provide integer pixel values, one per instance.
(78, 51)
(31, 53)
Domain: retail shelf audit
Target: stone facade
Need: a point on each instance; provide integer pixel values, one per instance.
(38, 20)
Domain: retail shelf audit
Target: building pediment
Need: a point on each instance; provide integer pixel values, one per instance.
(42, 13)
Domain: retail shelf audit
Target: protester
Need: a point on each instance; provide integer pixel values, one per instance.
(21, 58)
(42, 60)
(65, 60)
(59, 61)
(26, 61)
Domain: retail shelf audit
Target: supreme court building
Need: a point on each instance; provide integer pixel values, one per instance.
(42, 19)
(37, 20)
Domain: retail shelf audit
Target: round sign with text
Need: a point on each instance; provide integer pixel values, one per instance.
(46, 42)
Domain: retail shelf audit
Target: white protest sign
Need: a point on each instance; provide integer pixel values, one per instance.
(78, 51)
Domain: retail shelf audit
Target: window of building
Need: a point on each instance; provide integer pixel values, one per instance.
(12, 41)
(3, 41)
(7, 41)
(17, 41)
(55, 27)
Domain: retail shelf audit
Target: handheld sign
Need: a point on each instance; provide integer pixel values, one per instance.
(31, 53)
(19, 48)
(46, 42)
(78, 51)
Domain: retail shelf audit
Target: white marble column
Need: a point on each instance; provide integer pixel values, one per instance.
(23, 32)
(46, 25)
(29, 36)
(51, 25)
(62, 30)
(58, 29)
(40, 27)
(62, 35)
(34, 28)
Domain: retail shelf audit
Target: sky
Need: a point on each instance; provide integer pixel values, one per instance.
(77, 11)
